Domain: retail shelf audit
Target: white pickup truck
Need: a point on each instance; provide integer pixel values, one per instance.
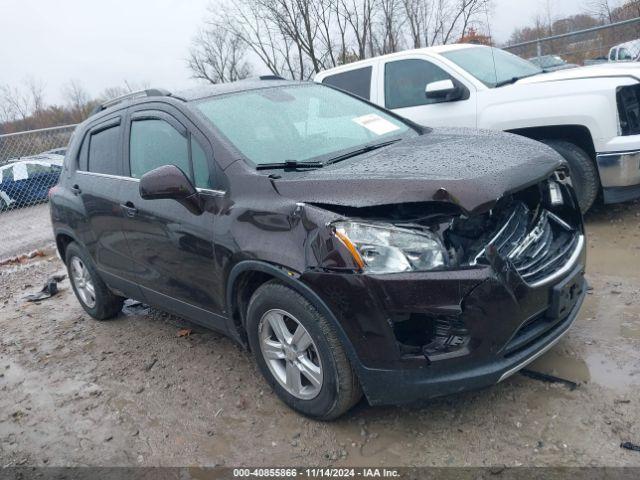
(590, 115)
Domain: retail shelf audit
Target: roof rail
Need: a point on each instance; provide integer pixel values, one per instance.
(270, 77)
(149, 92)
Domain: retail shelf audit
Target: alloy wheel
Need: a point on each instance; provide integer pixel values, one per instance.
(291, 354)
(82, 281)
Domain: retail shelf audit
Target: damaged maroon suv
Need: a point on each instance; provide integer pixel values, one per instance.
(353, 252)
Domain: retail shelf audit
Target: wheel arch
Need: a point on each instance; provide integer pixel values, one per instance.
(576, 134)
(248, 275)
(63, 239)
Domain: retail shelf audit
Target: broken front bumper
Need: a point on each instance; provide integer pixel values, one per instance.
(498, 324)
(390, 387)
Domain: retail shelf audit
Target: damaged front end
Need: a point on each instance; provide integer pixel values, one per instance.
(436, 287)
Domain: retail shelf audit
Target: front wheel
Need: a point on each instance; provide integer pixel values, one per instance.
(299, 353)
(584, 174)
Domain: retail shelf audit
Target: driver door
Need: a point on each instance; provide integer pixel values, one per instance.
(404, 84)
(171, 247)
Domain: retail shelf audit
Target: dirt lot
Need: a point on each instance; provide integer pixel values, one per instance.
(24, 229)
(74, 391)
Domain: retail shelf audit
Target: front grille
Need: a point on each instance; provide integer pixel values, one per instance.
(537, 246)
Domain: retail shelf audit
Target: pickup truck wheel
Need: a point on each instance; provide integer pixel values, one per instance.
(299, 353)
(92, 293)
(584, 173)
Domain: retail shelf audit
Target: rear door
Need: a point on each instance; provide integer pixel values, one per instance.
(404, 82)
(99, 182)
(171, 247)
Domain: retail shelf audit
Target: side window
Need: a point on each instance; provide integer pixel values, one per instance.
(624, 54)
(20, 171)
(36, 168)
(83, 154)
(612, 54)
(155, 143)
(104, 151)
(405, 82)
(356, 81)
(201, 173)
(6, 174)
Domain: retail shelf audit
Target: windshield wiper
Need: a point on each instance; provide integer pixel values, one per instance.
(515, 79)
(289, 165)
(360, 151)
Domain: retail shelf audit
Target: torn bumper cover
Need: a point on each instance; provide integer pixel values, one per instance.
(421, 335)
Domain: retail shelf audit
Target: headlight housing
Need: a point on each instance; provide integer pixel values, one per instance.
(381, 248)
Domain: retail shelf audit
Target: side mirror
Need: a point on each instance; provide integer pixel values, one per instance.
(443, 90)
(169, 182)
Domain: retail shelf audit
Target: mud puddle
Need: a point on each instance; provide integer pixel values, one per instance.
(613, 234)
(596, 367)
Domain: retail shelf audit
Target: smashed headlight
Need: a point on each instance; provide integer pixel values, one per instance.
(389, 249)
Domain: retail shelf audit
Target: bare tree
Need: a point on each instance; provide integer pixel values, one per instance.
(35, 91)
(358, 17)
(77, 99)
(114, 92)
(602, 9)
(389, 38)
(218, 56)
(298, 38)
(17, 104)
(419, 17)
(20, 103)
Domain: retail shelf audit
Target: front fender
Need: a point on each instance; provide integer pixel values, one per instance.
(586, 102)
(292, 280)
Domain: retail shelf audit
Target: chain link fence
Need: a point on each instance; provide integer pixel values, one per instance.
(615, 42)
(30, 164)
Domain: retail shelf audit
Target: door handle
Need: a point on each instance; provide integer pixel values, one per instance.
(76, 190)
(129, 209)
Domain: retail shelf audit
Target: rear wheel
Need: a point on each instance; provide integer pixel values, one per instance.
(92, 293)
(584, 174)
(299, 353)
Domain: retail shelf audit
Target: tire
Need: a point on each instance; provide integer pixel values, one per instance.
(105, 304)
(338, 389)
(584, 173)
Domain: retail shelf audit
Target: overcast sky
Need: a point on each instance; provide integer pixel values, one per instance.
(102, 43)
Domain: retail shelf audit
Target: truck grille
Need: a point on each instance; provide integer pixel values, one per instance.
(536, 250)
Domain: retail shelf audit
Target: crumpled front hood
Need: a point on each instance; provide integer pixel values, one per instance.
(468, 167)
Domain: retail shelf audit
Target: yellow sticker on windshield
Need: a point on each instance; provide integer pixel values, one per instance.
(376, 124)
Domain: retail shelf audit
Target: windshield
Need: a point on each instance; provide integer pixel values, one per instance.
(300, 123)
(550, 61)
(492, 66)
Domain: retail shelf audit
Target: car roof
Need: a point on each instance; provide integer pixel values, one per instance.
(188, 95)
(207, 91)
(630, 44)
(436, 50)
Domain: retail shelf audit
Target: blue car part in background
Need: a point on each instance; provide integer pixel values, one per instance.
(27, 182)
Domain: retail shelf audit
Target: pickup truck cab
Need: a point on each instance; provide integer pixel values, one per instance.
(590, 115)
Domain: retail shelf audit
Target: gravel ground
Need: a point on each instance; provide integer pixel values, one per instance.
(25, 229)
(130, 391)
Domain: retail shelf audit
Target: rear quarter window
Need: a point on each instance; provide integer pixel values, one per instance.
(105, 151)
(356, 81)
